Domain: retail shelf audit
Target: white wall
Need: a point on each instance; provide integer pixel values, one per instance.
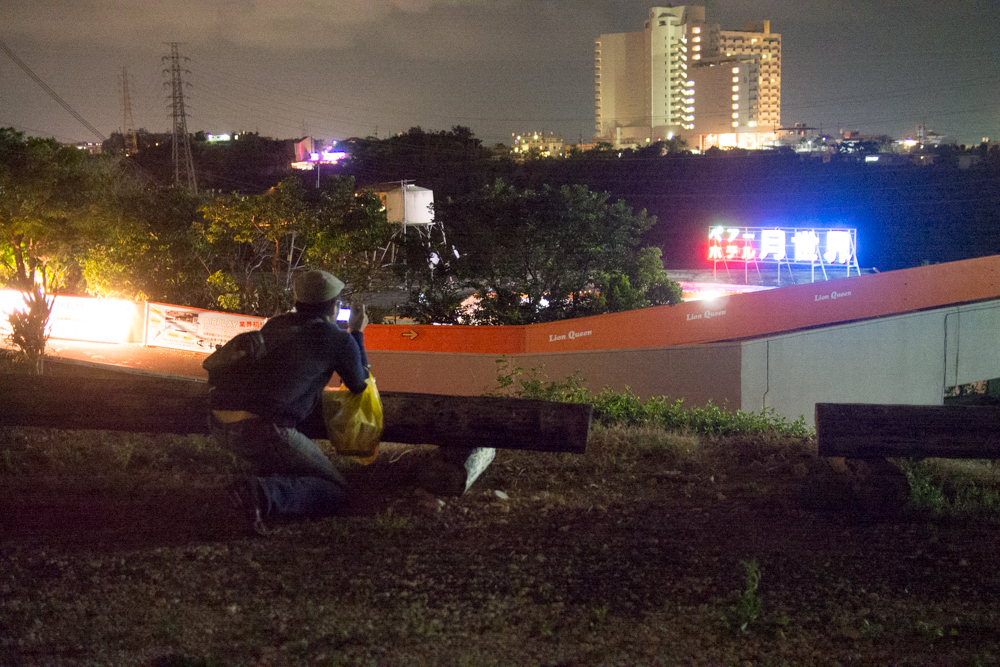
(906, 359)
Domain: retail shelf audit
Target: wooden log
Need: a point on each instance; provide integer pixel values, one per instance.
(864, 431)
(170, 404)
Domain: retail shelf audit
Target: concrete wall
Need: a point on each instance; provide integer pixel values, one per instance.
(972, 334)
(907, 359)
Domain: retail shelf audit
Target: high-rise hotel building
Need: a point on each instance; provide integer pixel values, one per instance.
(681, 76)
(757, 41)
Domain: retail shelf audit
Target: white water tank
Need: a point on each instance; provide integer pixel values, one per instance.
(410, 205)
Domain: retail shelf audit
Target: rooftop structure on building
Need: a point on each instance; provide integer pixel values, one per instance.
(538, 144)
(677, 78)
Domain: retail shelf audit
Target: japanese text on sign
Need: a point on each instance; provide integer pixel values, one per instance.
(768, 244)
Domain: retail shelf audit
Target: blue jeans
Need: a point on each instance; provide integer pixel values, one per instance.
(293, 474)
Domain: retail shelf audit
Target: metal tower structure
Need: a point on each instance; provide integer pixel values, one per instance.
(128, 125)
(181, 143)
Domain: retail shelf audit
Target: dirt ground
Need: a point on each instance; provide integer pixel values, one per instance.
(632, 554)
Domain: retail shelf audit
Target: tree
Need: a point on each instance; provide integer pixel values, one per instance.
(540, 255)
(351, 235)
(252, 244)
(42, 186)
(450, 163)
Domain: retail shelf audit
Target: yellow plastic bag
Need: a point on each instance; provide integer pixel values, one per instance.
(354, 421)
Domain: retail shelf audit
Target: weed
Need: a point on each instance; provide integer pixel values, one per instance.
(167, 627)
(748, 606)
(950, 487)
(930, 630)
(418, 623)
(598, 617)
(869, 630)
(515, 381)
(390, 524)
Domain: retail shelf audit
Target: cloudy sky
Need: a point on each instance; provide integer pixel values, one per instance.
(340, 68)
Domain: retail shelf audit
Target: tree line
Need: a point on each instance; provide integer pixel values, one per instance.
(498, 253)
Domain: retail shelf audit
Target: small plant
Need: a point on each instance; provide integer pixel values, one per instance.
(418, 622)
(748, 606)
(391, 524)
(869, 630)
(598, 617)
(930, 630)
(515, 381)
(30, 328)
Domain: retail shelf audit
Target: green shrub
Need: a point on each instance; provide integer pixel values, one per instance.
(625, 408)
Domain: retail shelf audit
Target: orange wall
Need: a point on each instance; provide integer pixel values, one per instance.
(445, 338)
(733, 317)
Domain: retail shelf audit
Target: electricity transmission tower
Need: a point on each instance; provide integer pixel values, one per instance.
(181, 144)
(128, 125)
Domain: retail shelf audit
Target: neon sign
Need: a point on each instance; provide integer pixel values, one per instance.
(834, 247)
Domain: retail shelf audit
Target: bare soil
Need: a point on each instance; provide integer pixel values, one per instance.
(633, 554)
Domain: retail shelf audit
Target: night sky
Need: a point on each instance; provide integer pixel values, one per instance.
(340, 68)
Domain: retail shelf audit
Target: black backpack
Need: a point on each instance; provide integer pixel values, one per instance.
(235, 359)
(232, 364)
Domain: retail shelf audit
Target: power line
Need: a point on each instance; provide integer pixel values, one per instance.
(52, 93)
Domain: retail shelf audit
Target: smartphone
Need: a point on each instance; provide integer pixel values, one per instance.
(344, 315)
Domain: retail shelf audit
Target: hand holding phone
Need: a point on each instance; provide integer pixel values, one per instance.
(358, 318)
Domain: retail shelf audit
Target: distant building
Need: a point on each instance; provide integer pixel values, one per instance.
(758, 42)
(649, 84)
(726, 108)
(310, 152)
(643, 91)
(538, 144)
(90, 147)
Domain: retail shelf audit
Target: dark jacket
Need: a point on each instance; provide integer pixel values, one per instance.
(303, 353)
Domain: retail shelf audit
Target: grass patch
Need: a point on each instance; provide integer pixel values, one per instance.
(954, 487)
(92, 460)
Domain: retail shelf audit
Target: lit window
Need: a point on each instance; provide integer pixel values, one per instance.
(736, 106)
(736, 70)
(696, 47)
(736, 98)
(736, 79)
(735, 115)
(736, 89)
(696, 57)
(696, 30)
(736, 123)
(696, 40)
